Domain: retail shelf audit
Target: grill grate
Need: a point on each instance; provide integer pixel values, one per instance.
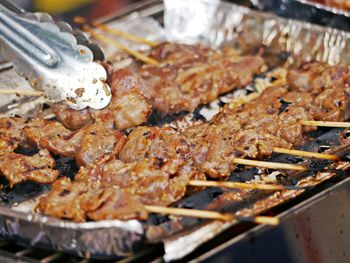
(12, 252)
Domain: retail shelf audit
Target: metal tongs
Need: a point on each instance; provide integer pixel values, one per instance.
(53, 57)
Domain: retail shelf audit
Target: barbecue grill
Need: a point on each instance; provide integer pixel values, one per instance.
(300, 237)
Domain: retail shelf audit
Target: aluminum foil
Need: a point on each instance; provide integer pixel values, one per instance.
(13, 104)
(211, 23)
(307, 11)
(97, 239)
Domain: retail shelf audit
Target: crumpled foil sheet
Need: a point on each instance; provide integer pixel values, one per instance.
(97, 239)
(13, 104)
(212, 23)
(308, 11)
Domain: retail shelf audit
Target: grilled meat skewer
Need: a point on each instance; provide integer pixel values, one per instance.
(188, 76)
(150, 181)
(251, 130)
(85, 145)
(193, 75)
(131, 103)
(257, 127)
(17, 168)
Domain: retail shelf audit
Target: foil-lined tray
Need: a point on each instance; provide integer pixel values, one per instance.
(224, 23)
(308, 11)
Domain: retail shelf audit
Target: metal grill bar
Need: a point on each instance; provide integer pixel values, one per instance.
(24, 252)
(11, 252)
(51, 258)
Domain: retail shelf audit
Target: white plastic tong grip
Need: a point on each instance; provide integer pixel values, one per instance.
(53, 61)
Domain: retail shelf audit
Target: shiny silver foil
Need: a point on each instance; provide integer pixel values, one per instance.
(13, 104)
(308, 11)
(212, 23)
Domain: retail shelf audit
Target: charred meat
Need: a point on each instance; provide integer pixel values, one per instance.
(78, 201)
(111, 189)
(85, 145)
(191, 75)
(17, 168)
(155, 164)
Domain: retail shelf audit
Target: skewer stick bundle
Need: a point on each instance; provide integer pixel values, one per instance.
(117, 44)
(134, 38)
(111, 41)
(125, 35)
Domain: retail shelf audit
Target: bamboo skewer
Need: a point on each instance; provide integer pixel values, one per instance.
(189, 212)
(134, 38)
(111, 41)
(307, 154)
(210, 214)
(271, 165)
(239, 185)
(22, 92)
(117, 44)
(337, 124)
(267, 220)
(125, 35)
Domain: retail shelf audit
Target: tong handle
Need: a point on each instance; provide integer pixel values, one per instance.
(12, 7)
(52, 59)
(15, 31)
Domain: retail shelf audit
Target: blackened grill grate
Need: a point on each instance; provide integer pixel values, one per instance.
(12, 252)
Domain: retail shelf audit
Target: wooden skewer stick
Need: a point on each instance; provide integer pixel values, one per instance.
(189, 212)
(21, 92)
(210, 214)
(267, 220)
(124, 35)
(338, 124)
(120, 46)
(307, 154)
(81, 20)
(239, 185)
(271, 165)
